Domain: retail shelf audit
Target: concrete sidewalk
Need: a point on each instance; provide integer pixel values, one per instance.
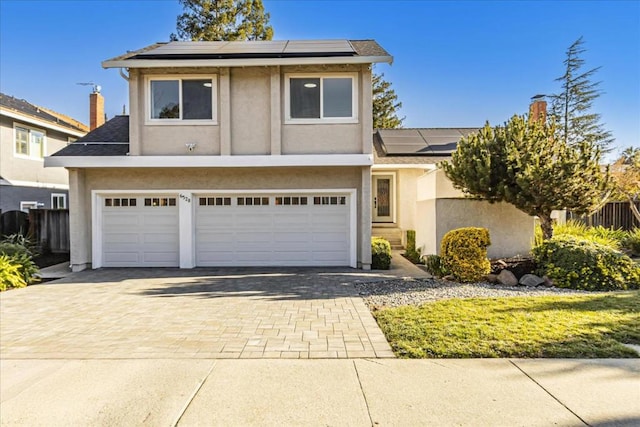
(362, 392)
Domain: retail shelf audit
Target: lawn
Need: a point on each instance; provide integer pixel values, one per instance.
(589, 326)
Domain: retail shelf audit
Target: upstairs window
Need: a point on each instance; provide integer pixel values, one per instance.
(187, 99)
(29, 142)
(330, 98)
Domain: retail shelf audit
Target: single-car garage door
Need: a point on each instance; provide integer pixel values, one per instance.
(272, 230)
(140, 231)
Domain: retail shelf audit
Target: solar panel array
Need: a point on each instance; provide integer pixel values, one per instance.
(438, 142)
(283, 47)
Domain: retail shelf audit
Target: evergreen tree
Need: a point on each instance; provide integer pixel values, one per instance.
(224, 20)
(385, 104)
(572, 107)
(525, 164)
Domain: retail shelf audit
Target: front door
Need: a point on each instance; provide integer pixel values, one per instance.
(382, 190)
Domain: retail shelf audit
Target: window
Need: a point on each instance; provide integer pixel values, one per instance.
(120, 202)
(160, 201)
(29, 142)
(330, 98)
(215, 201)
(191, 99)
(58, 201)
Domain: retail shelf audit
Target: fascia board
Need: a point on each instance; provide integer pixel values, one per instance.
(292, 160)
(249, 62)
(39, 122)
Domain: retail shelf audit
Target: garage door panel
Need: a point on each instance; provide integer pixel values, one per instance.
(114, 219)
(160, 257)
(121, 257)
(120, 238)
(171, 238)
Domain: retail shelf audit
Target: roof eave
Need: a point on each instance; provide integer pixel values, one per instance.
(239, 62)
(35, 121)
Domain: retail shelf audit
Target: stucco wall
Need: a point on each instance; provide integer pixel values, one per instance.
(209, 179)
(14, 168)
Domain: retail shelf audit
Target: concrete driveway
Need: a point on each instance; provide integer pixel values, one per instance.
(200, 313)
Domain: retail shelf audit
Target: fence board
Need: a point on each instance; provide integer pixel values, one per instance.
(612, 215)
(49, 228)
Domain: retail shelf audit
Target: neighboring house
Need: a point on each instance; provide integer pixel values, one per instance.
(28, 133)
(411, 193)
(235, 154)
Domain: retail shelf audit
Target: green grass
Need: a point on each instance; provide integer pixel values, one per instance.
(590, 326)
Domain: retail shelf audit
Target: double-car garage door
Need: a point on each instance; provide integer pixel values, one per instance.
(229, 229)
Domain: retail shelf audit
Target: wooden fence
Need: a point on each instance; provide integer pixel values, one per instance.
(612, 215)
(49, 229)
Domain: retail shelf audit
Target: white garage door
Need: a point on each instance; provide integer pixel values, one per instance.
(272, 230)
(140, 231)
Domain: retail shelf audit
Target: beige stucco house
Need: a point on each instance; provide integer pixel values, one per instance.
(28, 133)
(234, 154)
(410, 193)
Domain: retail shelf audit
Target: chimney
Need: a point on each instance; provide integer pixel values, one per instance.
(96, 109)
(538, 108)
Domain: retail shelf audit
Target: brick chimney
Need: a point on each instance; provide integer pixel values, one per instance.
(538, 108)
(96, 109)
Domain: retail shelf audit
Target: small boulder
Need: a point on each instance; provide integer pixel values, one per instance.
(501, 263)
(531, 280)
(507, 278)
(449, 278)
(492, 278)
(548, 282)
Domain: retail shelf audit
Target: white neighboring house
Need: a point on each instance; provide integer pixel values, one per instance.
(28, 133)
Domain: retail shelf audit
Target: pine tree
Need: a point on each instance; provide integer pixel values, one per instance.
(572, 107)
(223, 20)
(385, 104)
(524, 163)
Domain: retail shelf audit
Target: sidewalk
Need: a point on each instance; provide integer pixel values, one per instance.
(361, 392)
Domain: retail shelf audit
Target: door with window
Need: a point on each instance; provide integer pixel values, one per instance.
(383, 196)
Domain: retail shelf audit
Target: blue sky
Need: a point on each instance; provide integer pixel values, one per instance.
(456, 63)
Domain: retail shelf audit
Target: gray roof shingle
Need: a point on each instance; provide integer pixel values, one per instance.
(110, 139)
(41, 113)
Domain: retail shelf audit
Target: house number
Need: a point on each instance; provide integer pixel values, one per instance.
(185, 198)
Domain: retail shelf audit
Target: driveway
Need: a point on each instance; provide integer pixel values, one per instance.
(200, 313)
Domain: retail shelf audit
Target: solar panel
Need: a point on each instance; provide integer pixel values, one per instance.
(318, 46)
(251, 47)
(403, 141)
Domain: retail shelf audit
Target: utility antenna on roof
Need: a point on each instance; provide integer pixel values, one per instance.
(96, 88)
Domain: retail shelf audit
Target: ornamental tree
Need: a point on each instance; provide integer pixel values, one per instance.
(625, 174)
(524, 163)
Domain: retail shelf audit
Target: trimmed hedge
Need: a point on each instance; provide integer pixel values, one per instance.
(435, 266)
(380, 253)
(582, 264)
(464, 253)
(412, 254)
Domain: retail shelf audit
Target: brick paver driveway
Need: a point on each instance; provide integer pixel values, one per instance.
(201, 313)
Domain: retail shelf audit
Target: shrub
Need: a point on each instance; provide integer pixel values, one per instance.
(412, 254)
(10, 276)
(464, 253)
(380, 253)
(632, 242)
(20, 240)
(435, 266)
(604, 236)
(583, 264)
(20, 254)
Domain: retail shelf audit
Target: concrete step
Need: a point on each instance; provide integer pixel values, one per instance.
(392, 234)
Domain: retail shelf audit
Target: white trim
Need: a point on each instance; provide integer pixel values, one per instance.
(187, 258)
(209, 161)
(424, 166)
(24, 206)
(394, 196)
(321, 120)
(149, 121)
(5, 181)
(38, 122)
(242, 62)
(64, 198)
(29, 129)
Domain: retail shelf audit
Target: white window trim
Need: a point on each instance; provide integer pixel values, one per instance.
(329, 120)
(25, 206)
(180, 77)
(27, 156)
(64, 198)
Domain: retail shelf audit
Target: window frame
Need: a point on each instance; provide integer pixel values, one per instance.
(25, 205)
(321, 120)
(180, 121)
(29, 129)
(61, 196)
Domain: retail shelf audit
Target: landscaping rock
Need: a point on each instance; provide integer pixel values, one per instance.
(449, 278)
(548, 282)
(531, 280)
(507, 278)
(492, 278)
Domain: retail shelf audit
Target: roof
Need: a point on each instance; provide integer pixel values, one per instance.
(244, 53)
(25, 108)
(110, 139)
(416, 145)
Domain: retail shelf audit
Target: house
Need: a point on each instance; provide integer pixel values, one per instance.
(28, 133)
(411, 193)
(253, 153)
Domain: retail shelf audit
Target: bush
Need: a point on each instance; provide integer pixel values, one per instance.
(632, 242)
(10, 276)
(435, 266)
(412, 254)
(380, 253)
(583, 264)
(464, 253)
(604, 236)
(21, 256)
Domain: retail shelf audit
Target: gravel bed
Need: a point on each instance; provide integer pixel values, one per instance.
(394, 293)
